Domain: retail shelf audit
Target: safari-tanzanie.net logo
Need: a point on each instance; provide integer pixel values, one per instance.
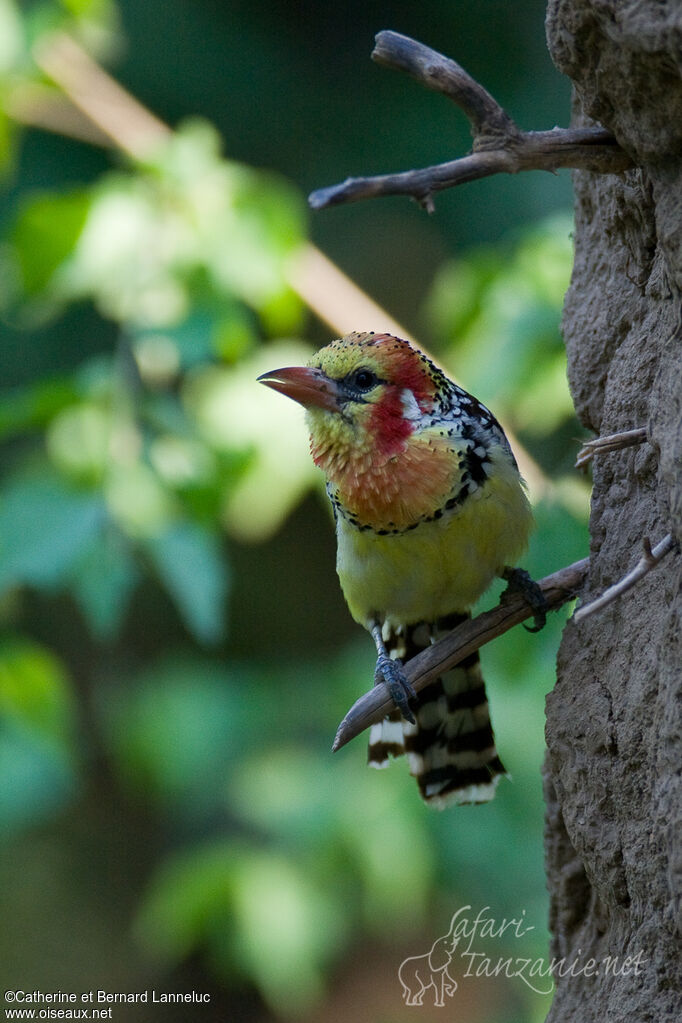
(473, 947)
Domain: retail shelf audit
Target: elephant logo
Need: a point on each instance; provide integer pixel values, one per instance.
(419, 973)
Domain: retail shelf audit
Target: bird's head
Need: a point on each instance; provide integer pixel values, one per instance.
(364, 390)
(366, 397)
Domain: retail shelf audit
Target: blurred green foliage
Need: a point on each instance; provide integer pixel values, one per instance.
(164, 734)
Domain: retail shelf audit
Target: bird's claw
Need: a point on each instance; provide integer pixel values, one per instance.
(391, 672)
(519, 581)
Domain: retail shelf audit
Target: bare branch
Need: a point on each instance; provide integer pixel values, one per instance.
(610, 442)
(643, 567)
(557, 589)
(499, 145)
(441, 74)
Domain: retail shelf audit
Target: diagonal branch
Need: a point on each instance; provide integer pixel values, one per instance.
(557, 589)
(499, 145)
(106, 104)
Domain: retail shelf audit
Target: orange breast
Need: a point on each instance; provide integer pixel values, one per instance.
(395, 491)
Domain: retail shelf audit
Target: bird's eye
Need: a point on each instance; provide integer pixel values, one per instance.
(362, 380)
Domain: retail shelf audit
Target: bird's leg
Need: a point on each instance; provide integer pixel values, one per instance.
(390, 671)
(519, 581)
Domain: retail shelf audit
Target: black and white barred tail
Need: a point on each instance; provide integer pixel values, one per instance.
(451, 747)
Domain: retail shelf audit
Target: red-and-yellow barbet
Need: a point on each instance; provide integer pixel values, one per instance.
(430, 507)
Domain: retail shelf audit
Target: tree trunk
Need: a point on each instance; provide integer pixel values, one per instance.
(612, 772)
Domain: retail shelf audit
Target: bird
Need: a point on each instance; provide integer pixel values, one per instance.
(429, 508)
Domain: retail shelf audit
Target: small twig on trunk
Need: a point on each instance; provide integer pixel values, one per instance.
(643, 567)
(610, 442)
(499, 145)
(557, 589)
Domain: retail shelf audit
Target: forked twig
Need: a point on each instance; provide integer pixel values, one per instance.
(610, 442)
(650, 559)
(557, 589)
(499, 145)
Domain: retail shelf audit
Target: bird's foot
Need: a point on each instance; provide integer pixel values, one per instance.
(519, 581)
(391, 672)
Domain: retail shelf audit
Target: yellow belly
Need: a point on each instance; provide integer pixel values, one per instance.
(441, 566)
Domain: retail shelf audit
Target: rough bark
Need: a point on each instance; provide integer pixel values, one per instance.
(612, 773)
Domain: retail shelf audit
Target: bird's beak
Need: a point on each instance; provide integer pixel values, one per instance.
(308, 386)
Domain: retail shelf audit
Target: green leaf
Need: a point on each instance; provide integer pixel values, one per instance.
(178, 729)
(104, 580)
(287, 927)
(502, 306)
(88, 8)
(7, 144)
(44, 528)
(37, 725)
(36, 778)
(191, 565)
(78, 441)
(254, 912)
(35, 691)
(11, 36)
(32, 407)
(45, 233)
(189, 899)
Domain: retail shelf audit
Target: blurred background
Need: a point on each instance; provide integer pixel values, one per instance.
(175, 654)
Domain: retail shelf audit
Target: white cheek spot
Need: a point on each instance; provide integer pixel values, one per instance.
(411, 409)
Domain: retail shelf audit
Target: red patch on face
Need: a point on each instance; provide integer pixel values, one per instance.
(388, 425)
(404, 371)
